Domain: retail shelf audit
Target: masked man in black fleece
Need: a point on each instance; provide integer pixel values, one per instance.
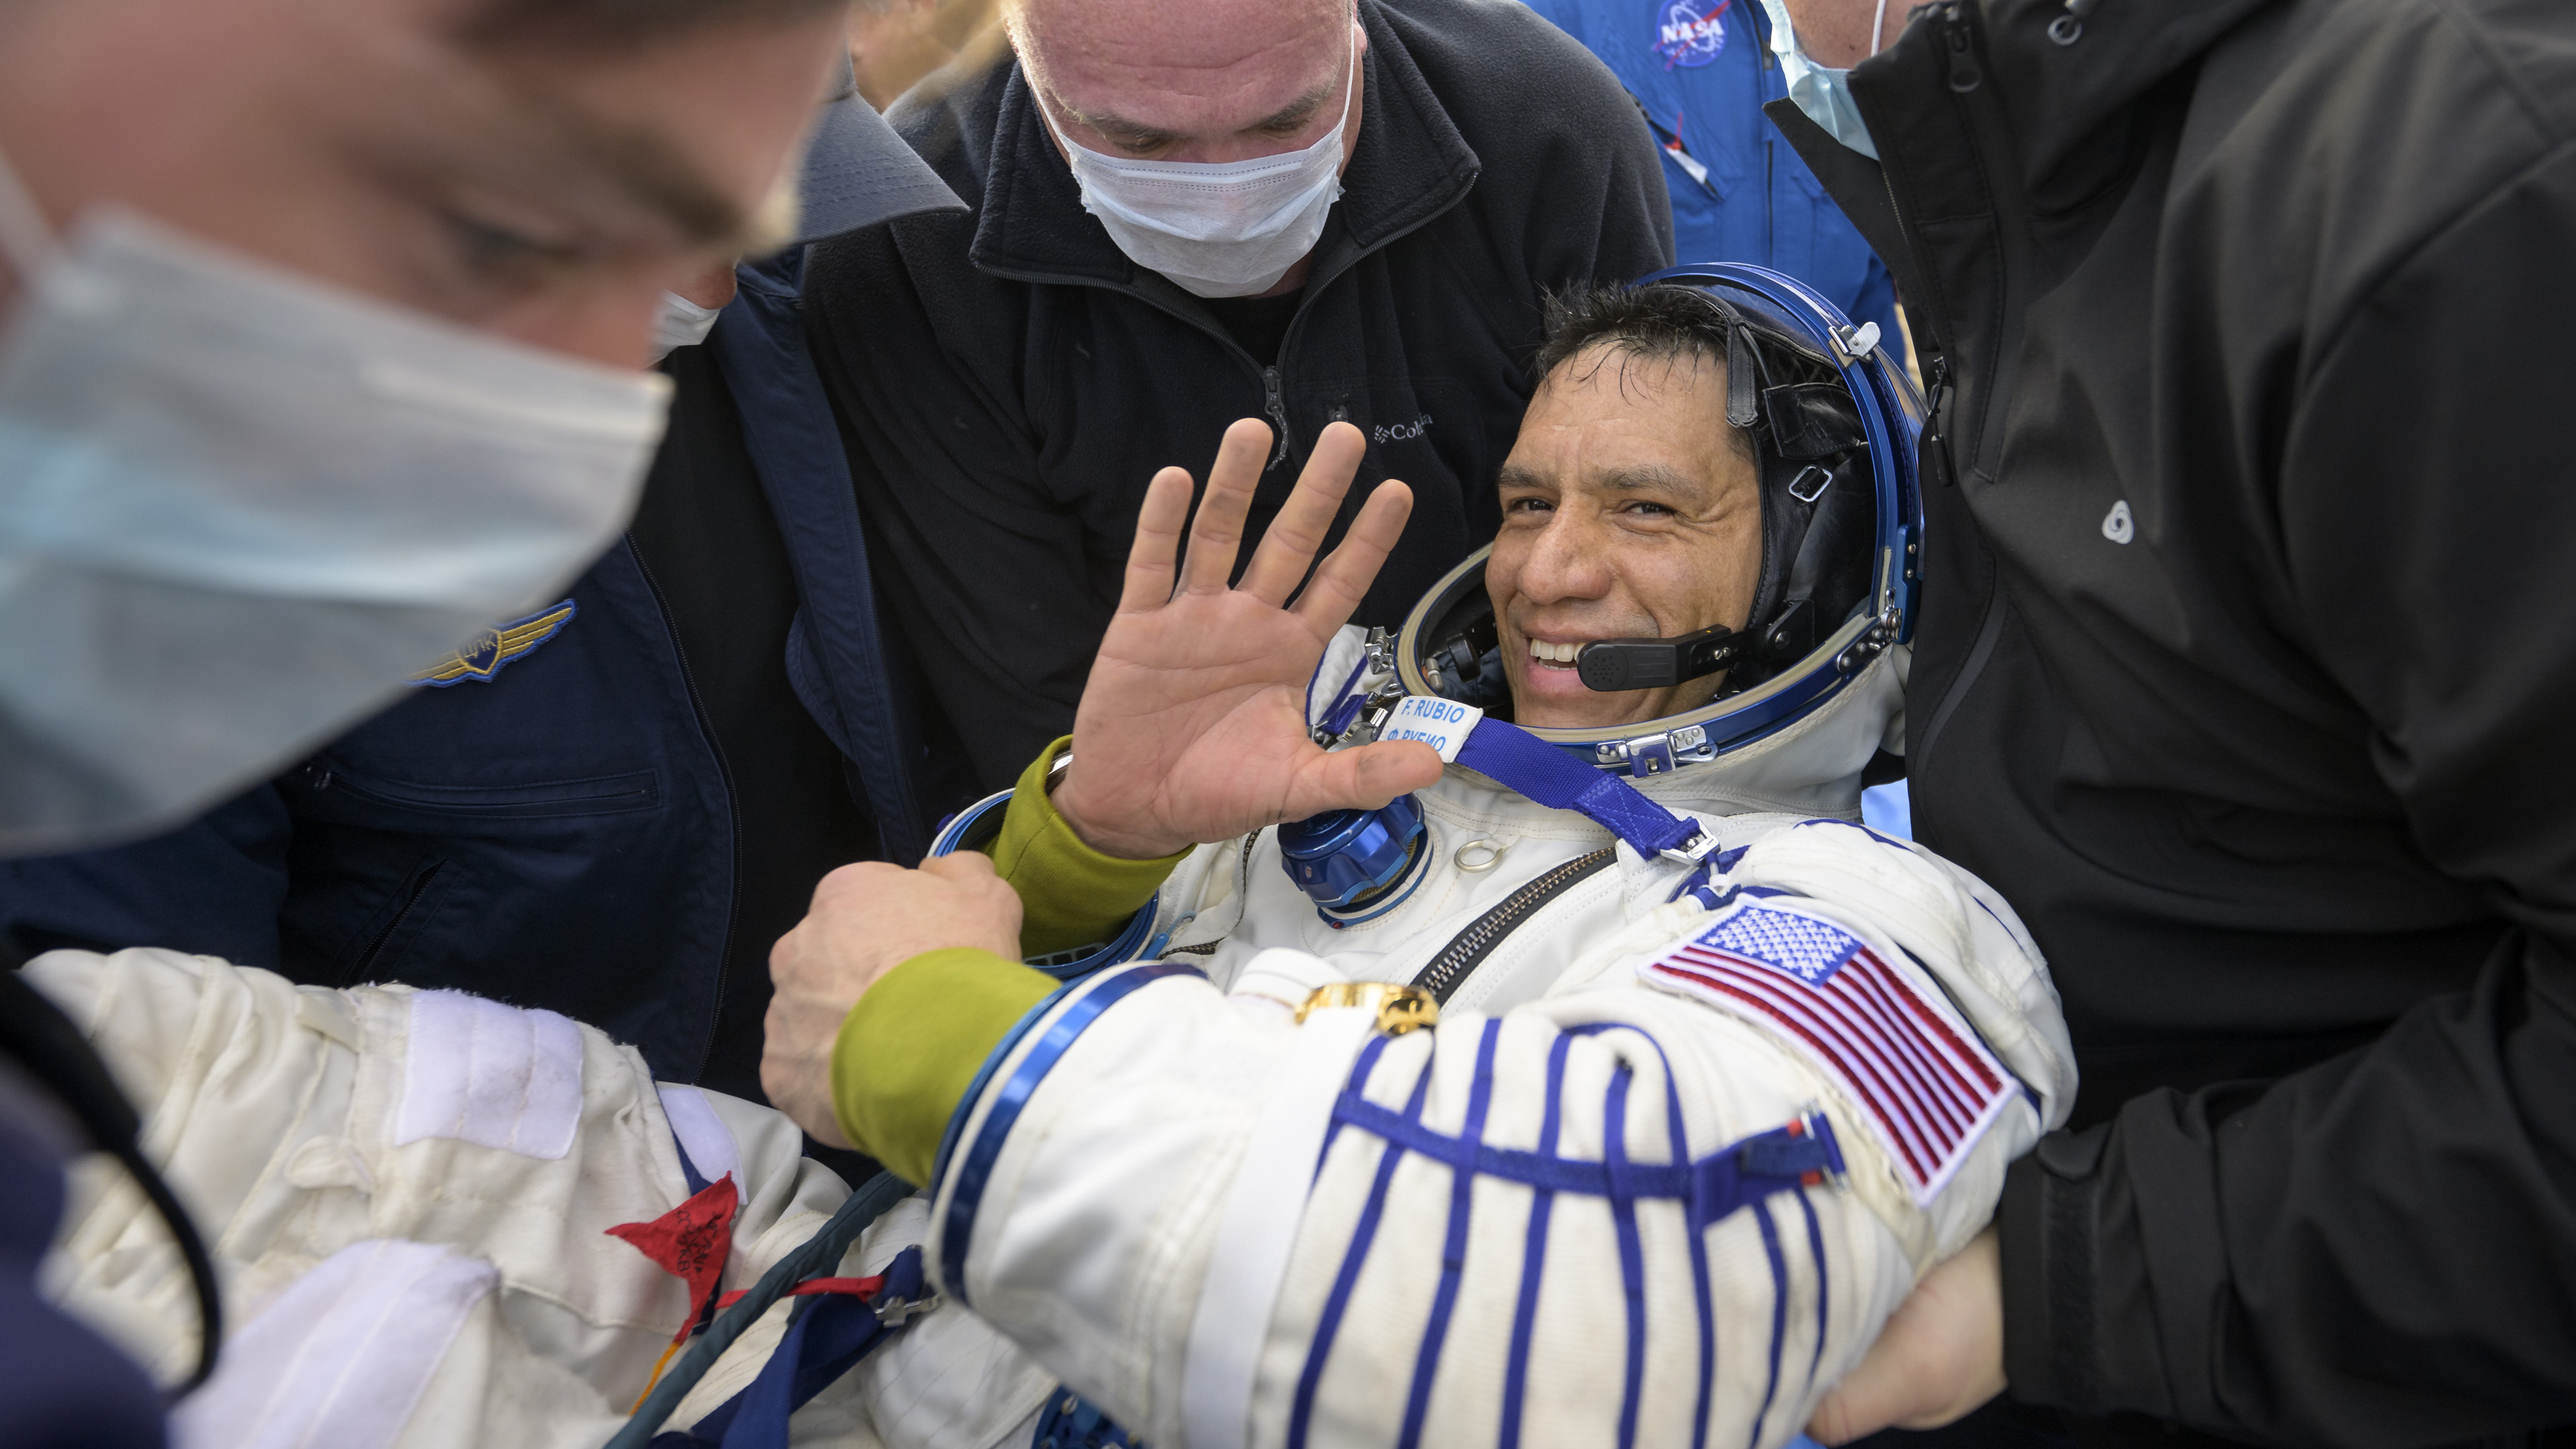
(2244, 674)
(1308, 211)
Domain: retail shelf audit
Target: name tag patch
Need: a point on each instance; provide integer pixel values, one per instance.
(1927, 1087)
(1442, 724)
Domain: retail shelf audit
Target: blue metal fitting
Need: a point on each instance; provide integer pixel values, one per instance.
(1343, 855)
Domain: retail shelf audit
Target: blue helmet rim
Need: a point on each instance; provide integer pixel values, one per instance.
(1891, 416)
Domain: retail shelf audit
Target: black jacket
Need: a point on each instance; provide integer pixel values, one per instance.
(1008, 381)
(2246, 672)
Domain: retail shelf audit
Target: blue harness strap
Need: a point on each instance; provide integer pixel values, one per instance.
(814, 1257)
(826, 1337)
(1070, 1421)
(1524, 762)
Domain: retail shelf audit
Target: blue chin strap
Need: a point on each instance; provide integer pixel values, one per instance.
(1512, 756)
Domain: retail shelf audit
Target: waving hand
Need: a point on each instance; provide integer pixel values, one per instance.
(1193, 726)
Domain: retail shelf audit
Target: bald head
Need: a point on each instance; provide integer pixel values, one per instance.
(1214, 80)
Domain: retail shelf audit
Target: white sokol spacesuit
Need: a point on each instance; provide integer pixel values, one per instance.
(1719, 1074)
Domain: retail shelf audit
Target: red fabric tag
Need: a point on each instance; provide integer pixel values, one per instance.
(691, 1242)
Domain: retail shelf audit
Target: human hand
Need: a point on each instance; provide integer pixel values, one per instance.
(866, 920)
(1940, 1356)
(1193, 726)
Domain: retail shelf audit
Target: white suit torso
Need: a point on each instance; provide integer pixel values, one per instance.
(1233, 1230)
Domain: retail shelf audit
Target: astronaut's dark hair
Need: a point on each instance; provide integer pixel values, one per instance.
(1653, 324)
(1645, 324)
(1667, 322)
(619, 24)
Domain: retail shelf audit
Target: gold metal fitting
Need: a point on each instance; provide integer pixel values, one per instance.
(1399, 1008)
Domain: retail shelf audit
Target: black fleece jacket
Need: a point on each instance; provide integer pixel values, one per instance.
(2246, 672)
(1008, 381)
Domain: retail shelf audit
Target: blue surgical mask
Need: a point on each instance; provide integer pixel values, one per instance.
(239, 506)
(1822, 93)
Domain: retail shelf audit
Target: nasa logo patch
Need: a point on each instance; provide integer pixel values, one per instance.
(1691, 33)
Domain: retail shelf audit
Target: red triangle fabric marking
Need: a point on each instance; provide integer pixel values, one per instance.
(691, 1243)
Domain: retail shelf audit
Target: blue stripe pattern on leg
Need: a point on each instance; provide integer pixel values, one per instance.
(1453, 1258)
(1698, 1231)
(1824, 1300)
(1302, 1412)
(1632, 1252)
(1360, 1073)
(1710, 1189)
(1779, 1313)
(1699, 1265)
(1534, 1259)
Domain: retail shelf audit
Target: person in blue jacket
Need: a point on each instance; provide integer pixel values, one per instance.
(611, 806)
(1701, 71)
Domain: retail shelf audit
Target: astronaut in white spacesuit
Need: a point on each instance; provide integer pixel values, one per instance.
(1726, 1073)
(1717, 1073)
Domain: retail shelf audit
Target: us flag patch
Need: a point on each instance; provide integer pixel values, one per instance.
(1926, 1082)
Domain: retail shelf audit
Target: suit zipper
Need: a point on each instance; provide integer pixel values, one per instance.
(733, 805)
(1467, 951)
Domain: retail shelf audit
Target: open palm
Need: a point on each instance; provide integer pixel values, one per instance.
(1193, 726)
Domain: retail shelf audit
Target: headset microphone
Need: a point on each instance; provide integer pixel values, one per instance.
(1610, 665)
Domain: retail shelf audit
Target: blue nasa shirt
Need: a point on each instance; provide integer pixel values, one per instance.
(1702, 70)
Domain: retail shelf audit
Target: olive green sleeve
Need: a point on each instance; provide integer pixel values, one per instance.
(908, 1050)
(1070, 894)
(914, 1042)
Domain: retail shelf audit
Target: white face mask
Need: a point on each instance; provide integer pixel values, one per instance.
(1216, 228)
(1822, 93)
(238, 507)
(683, 323)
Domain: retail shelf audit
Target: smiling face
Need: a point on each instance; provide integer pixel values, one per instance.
(1630, 510)
(535, 180)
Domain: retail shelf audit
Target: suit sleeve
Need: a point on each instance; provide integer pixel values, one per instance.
(2375, 1251)
(211, 887)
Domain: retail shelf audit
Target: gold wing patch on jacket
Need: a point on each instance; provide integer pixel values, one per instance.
(496, 646)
